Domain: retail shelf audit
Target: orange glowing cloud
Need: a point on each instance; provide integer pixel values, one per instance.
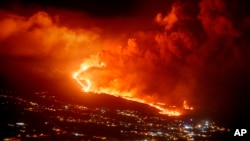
(215, 20)
(169, 20)
(40, 35)
(144, 68)
(162, 65)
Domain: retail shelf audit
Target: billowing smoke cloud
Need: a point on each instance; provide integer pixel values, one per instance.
(185, 59)
(151, 65)
(39, 35)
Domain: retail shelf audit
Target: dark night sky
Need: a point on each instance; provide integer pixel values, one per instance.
(195, 50)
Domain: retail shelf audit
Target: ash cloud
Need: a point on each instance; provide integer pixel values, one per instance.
(194, 56)
(40, 35)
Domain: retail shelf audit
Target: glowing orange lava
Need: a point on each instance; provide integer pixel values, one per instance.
(85, 83)
(186, 106)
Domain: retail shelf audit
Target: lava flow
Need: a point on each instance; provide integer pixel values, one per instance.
(86, 85)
